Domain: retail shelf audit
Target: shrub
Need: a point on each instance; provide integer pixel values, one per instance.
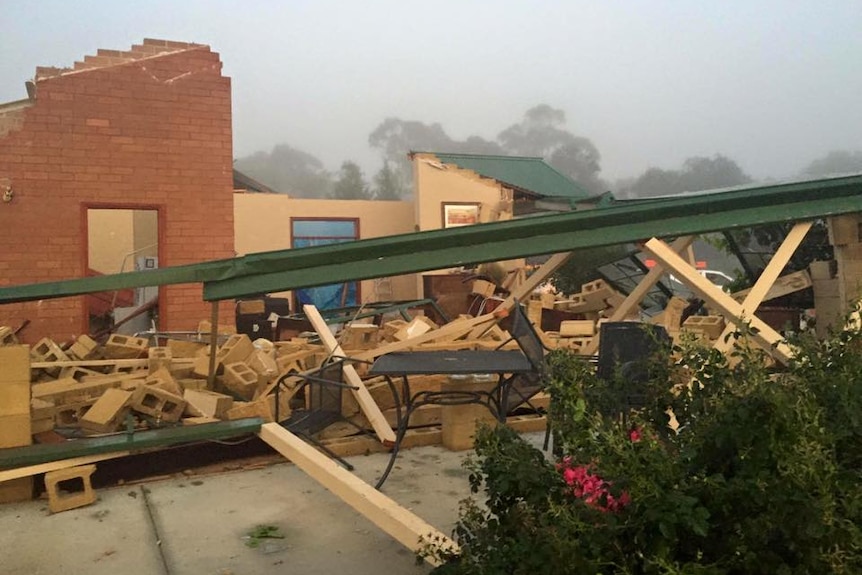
(763, 475)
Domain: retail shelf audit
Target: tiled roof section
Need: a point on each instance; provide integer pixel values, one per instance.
(531, 175)
(105, 58)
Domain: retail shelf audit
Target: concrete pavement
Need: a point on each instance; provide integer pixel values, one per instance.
(196, 524)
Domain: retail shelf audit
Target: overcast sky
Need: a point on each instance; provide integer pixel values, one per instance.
(771, 84)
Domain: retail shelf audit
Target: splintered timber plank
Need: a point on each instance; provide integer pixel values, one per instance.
(404, 526)
(360, 393)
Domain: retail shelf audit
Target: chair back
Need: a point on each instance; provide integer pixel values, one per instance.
(528, 340)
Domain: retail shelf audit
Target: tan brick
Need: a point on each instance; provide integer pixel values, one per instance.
(208, 403)
(108, 413)
(125, 347)
(158, 358)
(7, 336)
(14, 364)
(15, 430)
(240, 379)
(159, 404)
(237, 348)
(58, 502)
(84, 347)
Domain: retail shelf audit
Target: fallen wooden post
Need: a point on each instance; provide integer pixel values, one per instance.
(732, 310)
(360, 393)
(404, 526)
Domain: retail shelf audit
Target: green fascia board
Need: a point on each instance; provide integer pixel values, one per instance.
(410, 253)
(15, 457)
(529, 174)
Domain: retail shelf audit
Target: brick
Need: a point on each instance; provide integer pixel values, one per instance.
(244, 410)
(68, 390)
(83, 348)
(14, 364)
(47, 350)
(208, 403)
(7, 336)
(125, 347)
(70, 414)
(359, 336)
(240, 379)
(459, 422)
(14, 398)
(237, 348)
(158, 358)
(711, 325)
(58, 502)
(157, 403)
(483, 288)
(199, 420)
(822, 270)
(846, 229)
(163, 379)
(78, 373)
(577, 328)
(108, 413)
(180, 348)
(15, 430)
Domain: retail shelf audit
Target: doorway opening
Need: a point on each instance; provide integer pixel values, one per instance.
(122, 240)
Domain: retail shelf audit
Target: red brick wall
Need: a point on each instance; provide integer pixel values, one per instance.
(153, 132)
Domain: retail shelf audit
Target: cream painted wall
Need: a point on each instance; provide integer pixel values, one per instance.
(110, 238)
(262, 223)
(118, 236)
(437, 183)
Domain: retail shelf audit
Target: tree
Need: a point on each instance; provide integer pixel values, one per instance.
(351, 184)
(835, 162)
(387, 184)
(541, 133)
(288, 170)
(697, 173)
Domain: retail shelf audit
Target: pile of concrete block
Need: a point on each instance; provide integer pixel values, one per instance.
(125, 382)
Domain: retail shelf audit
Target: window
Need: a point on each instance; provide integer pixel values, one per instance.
(307, 232)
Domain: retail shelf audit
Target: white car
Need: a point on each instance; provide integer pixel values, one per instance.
(719, 278)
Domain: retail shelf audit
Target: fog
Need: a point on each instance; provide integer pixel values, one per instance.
(771, 84)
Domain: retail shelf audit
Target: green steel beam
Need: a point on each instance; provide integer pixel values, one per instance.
(637, 221)
(422, 251)
(36, 454)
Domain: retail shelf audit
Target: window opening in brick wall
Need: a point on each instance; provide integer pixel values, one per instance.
(122, 240)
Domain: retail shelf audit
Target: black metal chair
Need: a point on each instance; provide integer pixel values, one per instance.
(323, 390)
(525, 385)
(625, 352)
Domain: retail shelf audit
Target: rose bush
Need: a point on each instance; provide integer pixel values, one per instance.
(764, 475)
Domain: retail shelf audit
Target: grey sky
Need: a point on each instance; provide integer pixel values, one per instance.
(772, 84)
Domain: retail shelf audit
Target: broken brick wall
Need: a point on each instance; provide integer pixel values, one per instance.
(145, 129)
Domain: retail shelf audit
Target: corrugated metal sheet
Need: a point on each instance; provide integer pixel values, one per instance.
(528, 174)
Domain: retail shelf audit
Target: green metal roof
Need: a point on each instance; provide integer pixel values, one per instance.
(409, 253)
(529, 174)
